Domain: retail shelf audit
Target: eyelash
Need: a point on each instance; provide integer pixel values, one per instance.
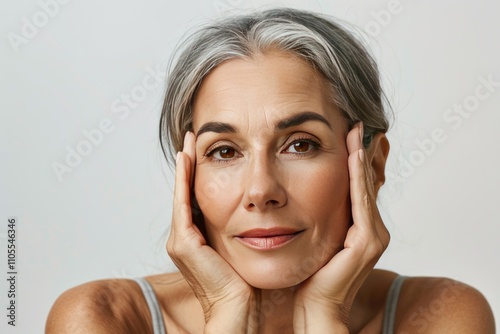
(314, 147)
(216, 149)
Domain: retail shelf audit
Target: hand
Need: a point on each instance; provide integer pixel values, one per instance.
(226, 299)
(325, 299)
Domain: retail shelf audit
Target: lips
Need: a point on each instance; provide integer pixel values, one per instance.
(266, 239)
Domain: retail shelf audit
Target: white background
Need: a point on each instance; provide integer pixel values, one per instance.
(109, 216)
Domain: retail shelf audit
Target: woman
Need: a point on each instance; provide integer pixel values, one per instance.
(278, 121)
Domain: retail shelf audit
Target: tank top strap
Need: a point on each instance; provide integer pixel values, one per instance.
(153, 305)
(391, 305)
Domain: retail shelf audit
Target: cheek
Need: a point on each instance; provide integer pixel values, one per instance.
(322, 191)
(322, 183)
(327, 179)
(325, 200)
(331, 187)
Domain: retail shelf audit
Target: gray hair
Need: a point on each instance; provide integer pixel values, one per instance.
(326, 45)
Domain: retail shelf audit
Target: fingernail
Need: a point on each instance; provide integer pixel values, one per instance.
(361, 155)
(190, 138)
(361, 132)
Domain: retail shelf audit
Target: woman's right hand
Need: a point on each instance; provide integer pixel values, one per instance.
(228, 302)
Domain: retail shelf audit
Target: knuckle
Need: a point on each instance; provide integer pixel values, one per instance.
(374, 249)
(170, 249)
(386, 238)
(173, 249)
(177, 250)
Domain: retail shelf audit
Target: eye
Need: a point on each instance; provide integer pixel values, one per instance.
(301, 146)
(223, 153)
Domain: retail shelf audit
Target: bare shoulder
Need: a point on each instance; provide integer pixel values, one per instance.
(442, 305)
(105, 306)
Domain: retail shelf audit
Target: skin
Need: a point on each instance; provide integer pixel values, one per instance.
(294, 177)
(320, 281)
(273, 184)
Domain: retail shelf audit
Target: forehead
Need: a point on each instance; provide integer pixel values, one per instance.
(270, 86)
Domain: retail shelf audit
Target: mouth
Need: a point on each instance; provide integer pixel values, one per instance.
(267, 239)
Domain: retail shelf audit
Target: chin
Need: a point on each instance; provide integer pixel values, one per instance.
(269, 275)
(272, 283)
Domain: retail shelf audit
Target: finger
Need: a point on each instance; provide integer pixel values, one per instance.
(183, 178)
(358, 154)
(355, 138)
(361, 200)
(367, 234)
(181, 217)
(364, 209)
(354, 144)
(190, 149)
(358, 176)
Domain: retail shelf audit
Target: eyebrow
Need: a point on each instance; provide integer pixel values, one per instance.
(300, 118)
(217, 127)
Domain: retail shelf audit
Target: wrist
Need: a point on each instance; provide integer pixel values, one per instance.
(235, 316)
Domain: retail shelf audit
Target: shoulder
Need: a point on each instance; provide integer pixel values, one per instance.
(437, 305)
(105, 306)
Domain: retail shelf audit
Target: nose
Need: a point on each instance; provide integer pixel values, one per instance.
(263, 187)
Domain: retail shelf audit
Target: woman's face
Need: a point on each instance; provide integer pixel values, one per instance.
(271, 174)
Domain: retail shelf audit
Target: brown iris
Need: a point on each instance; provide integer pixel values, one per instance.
(301, 146)
(226, 153)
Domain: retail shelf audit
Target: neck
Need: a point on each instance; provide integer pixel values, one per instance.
(275, 313)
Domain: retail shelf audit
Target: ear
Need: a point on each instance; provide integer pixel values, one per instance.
(377, 154)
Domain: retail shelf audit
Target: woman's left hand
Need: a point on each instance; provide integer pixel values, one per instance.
(323, 302)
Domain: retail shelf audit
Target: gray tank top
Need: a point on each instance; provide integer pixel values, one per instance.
(159, 326)
(391, 305)
(154, 306)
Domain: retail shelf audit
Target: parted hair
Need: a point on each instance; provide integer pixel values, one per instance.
(329, 47)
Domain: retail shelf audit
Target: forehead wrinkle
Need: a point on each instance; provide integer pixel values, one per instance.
(258, 126)
(304, 92)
